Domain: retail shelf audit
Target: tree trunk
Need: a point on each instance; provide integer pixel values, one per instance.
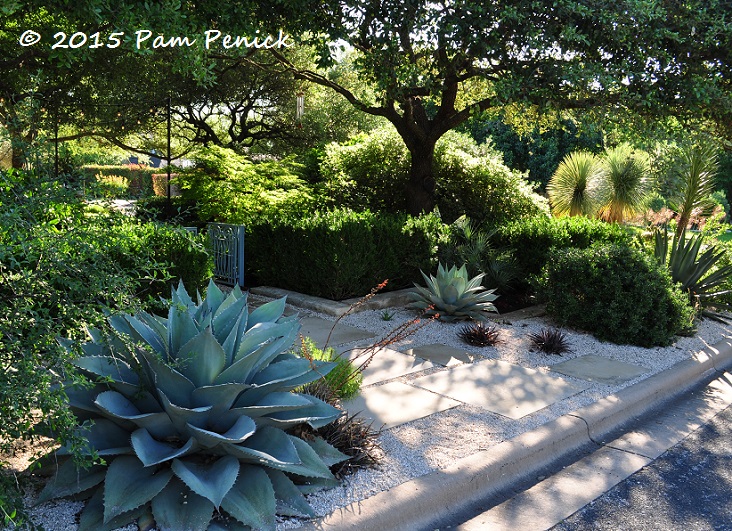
(420, 190)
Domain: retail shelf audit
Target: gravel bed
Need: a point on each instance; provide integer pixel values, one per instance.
(428, 444)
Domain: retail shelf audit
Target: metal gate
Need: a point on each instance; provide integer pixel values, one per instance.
(227, 242)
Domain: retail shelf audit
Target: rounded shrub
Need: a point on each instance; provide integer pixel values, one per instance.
(531, 240)
(371, 172)
(617, 293)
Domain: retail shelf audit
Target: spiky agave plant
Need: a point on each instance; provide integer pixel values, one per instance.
(453, 296)
(193, 415)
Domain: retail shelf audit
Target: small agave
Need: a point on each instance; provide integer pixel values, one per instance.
(453, 296)
(194, 417)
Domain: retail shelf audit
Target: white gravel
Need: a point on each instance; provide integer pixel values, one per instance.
(422, 446)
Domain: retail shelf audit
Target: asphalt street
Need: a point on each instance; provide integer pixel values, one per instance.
(688, 488)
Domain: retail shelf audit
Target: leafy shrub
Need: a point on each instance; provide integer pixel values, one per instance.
(371, 172)
(194, 415)
(112, 186)
(339, 254)
(532, 239)
(229, 188)
(344, 379)
(617, 293)
(177, 211)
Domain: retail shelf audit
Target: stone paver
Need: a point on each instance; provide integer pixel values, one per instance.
(395, 403)
(387, 364)
(501, 387)
(442, 354)
(318, 330)
(599, 369)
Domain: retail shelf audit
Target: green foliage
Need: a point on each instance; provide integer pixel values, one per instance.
(617, 293)
(537, 152)
(229, 188)
(177, 211)
(119, 182)
(699, 273)
(339, 254)
(193, 416)
(371, 171)
(472, 246)
(344, 379)
(453, 295)
(531, 240)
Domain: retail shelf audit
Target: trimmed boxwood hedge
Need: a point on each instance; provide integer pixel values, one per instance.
(340, 254)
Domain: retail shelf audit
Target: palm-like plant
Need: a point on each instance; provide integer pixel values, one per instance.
(625, 184)
(573, 187)
(695, 270)
(697, 181)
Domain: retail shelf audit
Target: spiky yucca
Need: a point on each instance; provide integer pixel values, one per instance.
(194, 417)
(453, 295)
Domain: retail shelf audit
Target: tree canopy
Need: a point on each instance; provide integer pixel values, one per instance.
(435, 63)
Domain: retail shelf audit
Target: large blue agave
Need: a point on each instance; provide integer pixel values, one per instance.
(194, 416)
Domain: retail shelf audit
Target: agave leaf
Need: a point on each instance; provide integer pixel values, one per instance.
(311, 465)
(106, 437)
(167, 380)
(152, 452)
(130, 484)
(282, 371)
(202, 359)
(212, 481)
(92, 517)
(176, 508)
(317, 414)
(267, 313)
(69, 480)
(290, 501)
(141, 331)
(243, 428)
(231, 343)
(272, 403)
(327, 453)
(225, 321)
(260, 334)
(265, 355)
(180, 296)
(214, 297)
(108, 367)
(181, 329)
(220, 397)
(252, 499)
(181, 416)
(268, 446)
(118, 406)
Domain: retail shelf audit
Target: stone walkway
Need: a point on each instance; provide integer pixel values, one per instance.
(497, 386)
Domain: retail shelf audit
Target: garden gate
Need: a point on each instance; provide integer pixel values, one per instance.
(227, 242)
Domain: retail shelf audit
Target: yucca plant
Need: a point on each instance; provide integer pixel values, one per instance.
(194, 417)
(453, 296)
(625, 184)
(695, 269)
(573, 187)
(697, 171)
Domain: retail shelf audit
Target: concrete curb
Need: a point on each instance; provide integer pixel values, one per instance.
(416, 504)
(379, 301)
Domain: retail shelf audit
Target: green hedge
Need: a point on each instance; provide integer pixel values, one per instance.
(617, 293)
(341, 254)
(531, 240)
(138, 177)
